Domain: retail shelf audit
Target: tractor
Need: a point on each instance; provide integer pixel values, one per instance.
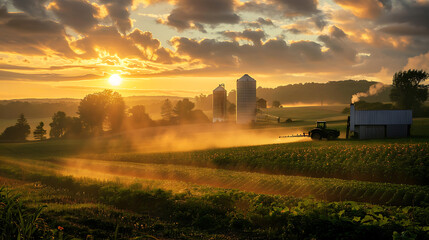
(322, 132)
(318, 133)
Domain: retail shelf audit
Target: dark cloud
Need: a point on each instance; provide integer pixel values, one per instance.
(404, 29)
(192, 13)
(260, 22)
(271, 56)
(339, 44)
(35, 8)
(119, 13)
(309, 25)
(320, 21)
(78, 14)
(412, 13)
(265, 21)
(336, 32)
(144, 39)
(30, 36)
(254, 36)
(289, 8)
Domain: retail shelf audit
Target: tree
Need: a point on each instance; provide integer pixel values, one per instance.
(231, 108)
(96, 108)
(115, 110)
(407, 91)
(167, 110)
(18, 132)
(58, 125)
(64, 126)
(139, 117)
(183, 108)
(40, 132)
(276, 104)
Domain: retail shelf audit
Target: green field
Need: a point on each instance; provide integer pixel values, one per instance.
(149, 184)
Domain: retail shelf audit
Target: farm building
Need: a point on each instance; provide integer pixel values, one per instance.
(246, 100)
(219, 104)
(368, 124)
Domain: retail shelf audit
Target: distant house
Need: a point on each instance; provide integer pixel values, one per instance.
(261, 103)
(370, 124)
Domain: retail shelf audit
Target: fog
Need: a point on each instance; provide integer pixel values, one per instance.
(191, 137)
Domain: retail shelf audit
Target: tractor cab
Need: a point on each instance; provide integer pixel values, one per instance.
(321, 124)
(322, 132)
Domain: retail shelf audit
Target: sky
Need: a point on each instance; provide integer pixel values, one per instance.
(70, 48)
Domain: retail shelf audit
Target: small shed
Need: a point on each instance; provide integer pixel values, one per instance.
(370, 124)
(261, 103)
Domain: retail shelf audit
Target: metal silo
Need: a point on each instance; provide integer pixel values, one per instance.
(246, 99)
(219, 104)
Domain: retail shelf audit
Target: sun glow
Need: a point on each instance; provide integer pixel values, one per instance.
(115, 80)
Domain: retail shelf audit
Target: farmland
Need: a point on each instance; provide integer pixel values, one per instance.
(123, 187)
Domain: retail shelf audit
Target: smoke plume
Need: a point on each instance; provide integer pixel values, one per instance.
(373, 90)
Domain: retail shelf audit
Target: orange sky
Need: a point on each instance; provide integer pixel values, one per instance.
(70, 48)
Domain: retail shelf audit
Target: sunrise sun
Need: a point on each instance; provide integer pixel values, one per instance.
(115, 80)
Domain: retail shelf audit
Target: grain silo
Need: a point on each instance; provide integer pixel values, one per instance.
(219, 104)
(246, 99)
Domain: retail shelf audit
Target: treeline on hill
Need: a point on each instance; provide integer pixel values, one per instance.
(12, 109)
(328, 93)
(42, 108)
(103, 111)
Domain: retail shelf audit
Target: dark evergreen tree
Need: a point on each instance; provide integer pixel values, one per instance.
(18, 132)
(167, 110)
(40, 132)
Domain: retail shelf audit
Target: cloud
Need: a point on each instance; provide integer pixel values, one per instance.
(308, 26)
(274, 55)
(137, 44)
(265, 21)
(35, 8)
(78, 14)
(339, 44)
(27, 68)
(30, 36)
(189, 14)
(404, 29)
(365, 8)
(288, 8)
(51, 77)
(118, 12)
(253, 36)
(411, 15)
(418, 62)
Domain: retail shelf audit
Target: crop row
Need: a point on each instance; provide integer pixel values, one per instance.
(394, 163)
(319, 188)
(255, 215)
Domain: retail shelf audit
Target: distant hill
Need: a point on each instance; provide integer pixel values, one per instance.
(333, 92)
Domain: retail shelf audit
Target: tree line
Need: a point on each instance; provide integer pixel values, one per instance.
(104, 111)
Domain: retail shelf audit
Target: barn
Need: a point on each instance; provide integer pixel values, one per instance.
(370, 124)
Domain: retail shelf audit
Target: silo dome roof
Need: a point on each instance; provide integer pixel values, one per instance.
(246, 78)
(219, 88)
